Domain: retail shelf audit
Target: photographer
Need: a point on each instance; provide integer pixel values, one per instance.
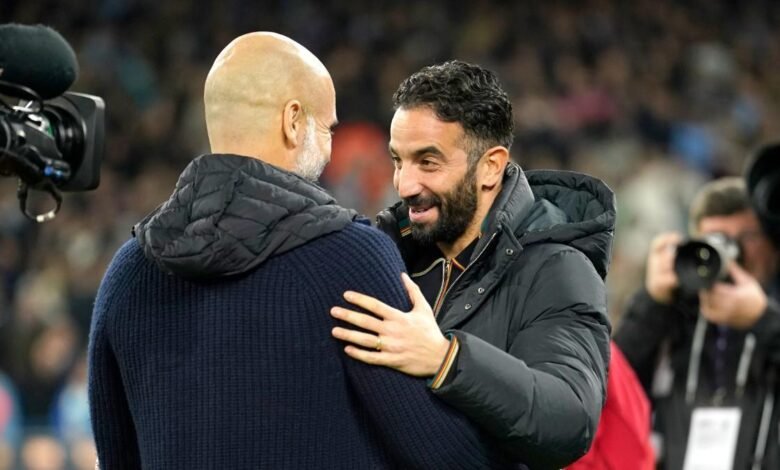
(707, 359)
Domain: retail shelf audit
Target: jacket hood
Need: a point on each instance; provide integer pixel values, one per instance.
(573, 209)
(228, 214)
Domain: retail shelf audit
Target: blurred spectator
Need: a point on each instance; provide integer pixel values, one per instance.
(50, 352)
(360, 172)
(7, 456)
(83, 454)
(10, 422)
(70, 414)
(42, 451)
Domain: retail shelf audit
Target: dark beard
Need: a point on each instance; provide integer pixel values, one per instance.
(456, 212)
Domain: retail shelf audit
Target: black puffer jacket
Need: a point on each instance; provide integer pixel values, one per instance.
(533, 289)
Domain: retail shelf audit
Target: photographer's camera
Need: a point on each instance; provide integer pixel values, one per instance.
(701, 262)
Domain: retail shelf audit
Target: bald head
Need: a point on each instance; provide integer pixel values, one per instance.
(268, 97)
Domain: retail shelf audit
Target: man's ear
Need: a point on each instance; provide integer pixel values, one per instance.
(292, 123)
(491, 166)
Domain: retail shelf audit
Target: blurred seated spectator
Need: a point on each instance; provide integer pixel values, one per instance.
(42, 451)
(83, 454)
(70, 414)
(70, 418)
(10, 422)
(50, 355)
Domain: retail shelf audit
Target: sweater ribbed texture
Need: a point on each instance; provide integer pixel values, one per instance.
(243, 373)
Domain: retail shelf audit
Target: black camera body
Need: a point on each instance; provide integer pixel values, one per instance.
(702, 261)
(51, 139)
(61, 143)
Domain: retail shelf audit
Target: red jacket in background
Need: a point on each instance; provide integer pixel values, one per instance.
(623, 437)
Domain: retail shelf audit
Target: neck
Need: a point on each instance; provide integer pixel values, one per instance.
(263, 153)
(452, 250)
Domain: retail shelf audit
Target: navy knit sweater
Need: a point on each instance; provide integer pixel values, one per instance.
(240, 371)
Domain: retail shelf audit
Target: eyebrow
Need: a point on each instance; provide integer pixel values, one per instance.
(433, 150)
(428, 150)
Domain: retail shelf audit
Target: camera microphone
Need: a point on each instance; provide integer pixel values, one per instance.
(36, 57)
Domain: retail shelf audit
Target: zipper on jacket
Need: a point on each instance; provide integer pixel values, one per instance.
(445, 280)
(442, 296)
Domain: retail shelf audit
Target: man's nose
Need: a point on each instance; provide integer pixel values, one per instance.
(407, 183)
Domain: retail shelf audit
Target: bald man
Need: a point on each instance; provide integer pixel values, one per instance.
(210, 345)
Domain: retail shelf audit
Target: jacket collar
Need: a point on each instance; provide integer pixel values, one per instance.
(510, 208)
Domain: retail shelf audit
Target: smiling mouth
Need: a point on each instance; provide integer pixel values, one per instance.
(422, 214)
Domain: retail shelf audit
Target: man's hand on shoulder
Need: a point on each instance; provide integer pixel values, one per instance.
(410, 342)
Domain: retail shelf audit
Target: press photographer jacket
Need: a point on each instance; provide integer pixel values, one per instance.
(658, 340)
(530, 314)
(211, 348)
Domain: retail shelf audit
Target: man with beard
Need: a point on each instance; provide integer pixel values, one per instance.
(512, 264)
(210, 344)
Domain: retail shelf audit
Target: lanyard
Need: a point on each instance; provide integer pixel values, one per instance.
(694, 362)
(763, 428)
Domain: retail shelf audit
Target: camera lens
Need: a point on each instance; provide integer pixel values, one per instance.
(697, 265)
(68, 132)
(700, 262)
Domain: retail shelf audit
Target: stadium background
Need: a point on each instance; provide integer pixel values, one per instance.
(655, 97)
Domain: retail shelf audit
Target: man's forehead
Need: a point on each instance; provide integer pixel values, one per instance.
(412, 129)
(732, 223)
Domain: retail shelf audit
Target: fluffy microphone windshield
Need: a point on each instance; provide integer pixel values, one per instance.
(36, 57)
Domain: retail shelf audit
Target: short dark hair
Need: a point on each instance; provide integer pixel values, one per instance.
(464, 93)
(721, 197)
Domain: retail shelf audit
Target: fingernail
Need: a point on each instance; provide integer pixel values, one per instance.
(335, 312)
(348, 295)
